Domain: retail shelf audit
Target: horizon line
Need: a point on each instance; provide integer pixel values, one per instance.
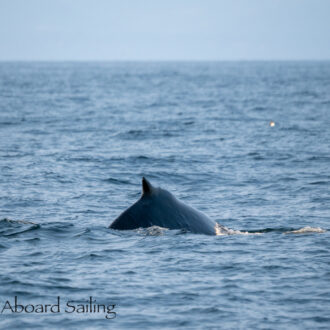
(169, 60)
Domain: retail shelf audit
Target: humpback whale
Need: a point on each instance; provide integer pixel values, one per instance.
(158, 207)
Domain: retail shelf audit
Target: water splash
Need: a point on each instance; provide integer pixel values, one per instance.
(306, 230)
(152, 231)
(222, 230)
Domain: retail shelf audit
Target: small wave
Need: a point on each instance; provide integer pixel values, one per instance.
(117, 181)
(320, 183)
(319, 158)
(10, 221)
(11, 228)
(133, 134)
(306, 230)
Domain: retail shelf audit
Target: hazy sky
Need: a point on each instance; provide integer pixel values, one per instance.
(164, 29)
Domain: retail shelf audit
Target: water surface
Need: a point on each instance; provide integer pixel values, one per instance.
(75, 141)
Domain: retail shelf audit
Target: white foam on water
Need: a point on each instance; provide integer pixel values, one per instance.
(152, 231)
(306, 230)
(222, 230)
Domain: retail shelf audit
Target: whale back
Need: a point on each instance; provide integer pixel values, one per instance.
(158, 207)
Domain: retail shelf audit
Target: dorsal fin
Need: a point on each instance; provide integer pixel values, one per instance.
(146, 186)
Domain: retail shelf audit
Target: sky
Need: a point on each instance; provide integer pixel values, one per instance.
(165, 30)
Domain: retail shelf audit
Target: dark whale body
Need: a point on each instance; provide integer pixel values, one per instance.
(158, 207)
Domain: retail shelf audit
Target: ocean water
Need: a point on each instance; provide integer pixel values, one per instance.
(75, 141)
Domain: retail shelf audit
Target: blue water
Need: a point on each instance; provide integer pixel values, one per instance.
(75, 141)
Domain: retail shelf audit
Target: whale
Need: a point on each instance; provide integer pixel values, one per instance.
(158, 207)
